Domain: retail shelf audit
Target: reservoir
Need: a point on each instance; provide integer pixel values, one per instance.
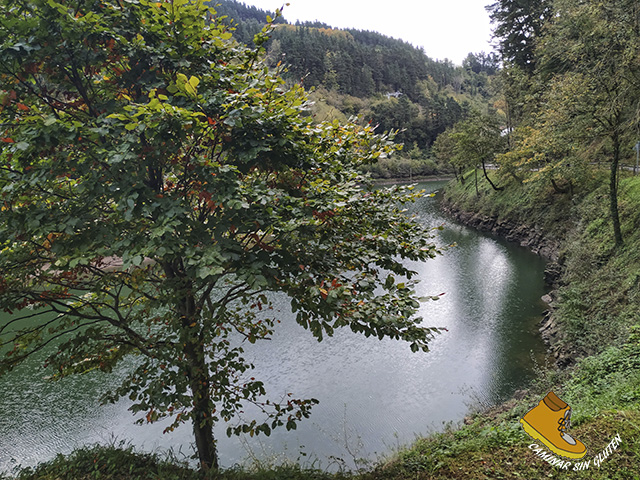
(375, 396)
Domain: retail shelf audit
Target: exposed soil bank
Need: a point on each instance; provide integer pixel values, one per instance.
(528, 236)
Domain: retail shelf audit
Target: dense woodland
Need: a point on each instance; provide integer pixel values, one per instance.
(571, 89)
(385, 81)
(564, 84)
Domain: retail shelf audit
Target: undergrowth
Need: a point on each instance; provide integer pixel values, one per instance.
(122, 462)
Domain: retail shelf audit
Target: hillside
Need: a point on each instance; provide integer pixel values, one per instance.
(562, 178)
(382, 80)
(544, 156)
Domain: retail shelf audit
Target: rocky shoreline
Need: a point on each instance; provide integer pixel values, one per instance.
(533, 238)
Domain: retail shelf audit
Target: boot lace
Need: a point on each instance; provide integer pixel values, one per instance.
(563, 424)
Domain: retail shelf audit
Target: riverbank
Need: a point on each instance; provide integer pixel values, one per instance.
(592, 325)
(492, 447)
(596, 285)
(534, 238)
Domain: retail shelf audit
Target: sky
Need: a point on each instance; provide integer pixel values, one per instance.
(444, 28)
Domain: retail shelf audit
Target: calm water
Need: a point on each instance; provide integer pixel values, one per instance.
(374, 395)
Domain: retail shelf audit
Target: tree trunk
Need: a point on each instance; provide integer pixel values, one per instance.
(484, 169)
(510, 127)
(203, 426)
(556, 187)
(199, 382)
(197, 371)
(475, 171)
(613, 190)
(516, 178)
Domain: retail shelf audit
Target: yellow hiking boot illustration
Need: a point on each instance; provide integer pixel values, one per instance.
(548, 422)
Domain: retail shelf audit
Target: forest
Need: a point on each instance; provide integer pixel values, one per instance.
(571, 90)
(384, 81)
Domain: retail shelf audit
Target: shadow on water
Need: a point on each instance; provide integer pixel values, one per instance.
(374, 395)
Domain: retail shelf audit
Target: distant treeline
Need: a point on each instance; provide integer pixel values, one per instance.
(408, 91)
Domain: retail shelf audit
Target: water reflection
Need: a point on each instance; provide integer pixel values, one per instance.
(374, 395)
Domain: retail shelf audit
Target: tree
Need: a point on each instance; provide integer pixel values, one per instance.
(444, 149)
(158, 185)
(482, 62)
(480, 140)
(472, 142)
(519, 25)
(548, 155)
(395, 114)
(590, 59)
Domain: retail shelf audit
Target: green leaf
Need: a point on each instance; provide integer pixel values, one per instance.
(232, 192)
(389, 282)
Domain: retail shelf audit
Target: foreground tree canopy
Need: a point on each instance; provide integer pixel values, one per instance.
(158, 184)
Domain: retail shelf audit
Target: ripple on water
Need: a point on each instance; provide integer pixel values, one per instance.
(375, 395)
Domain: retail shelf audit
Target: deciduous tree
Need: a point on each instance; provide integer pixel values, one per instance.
(158, 185)
(472, 142)
(590, 58)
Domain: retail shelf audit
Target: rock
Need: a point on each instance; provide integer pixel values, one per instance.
(552, 273)
(528, 236)
(564, 358)
(547, 299)
(520, 394)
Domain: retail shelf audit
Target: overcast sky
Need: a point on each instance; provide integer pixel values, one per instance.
(445, 28)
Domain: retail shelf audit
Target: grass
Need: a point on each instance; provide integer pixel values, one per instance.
(110, 462)
(122, 462)
(500, 449)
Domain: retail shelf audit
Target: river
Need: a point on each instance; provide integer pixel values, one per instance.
(375, 396)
